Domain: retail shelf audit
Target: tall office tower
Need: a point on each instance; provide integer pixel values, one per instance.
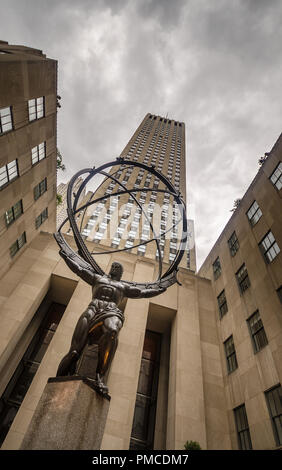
(157, 142)
(28, 93)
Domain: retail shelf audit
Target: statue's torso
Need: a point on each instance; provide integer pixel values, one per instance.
(108, 290)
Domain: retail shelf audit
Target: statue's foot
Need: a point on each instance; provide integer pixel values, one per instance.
(102, 387)
(67, 364)
(98, 384)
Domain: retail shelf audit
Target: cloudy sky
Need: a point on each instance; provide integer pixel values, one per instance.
(214, 64)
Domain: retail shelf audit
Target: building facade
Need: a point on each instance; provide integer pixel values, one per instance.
(28, 141)
(28, 83)
(245, 268)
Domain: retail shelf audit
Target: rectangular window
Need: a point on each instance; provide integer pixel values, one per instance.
(6, 122)
(141, 250)
(157, 254)
(12, 169)
(13, 213)
(20, 382)
(230, 355)
(85, 232)
(274, 402)
(222, 304)
(115, 241)
(143, 426)
(243, 278)
(254, 213)
(8, 173)
(269, 247)
(233, 244)
(36, 108)
(15, 247)
(216, 269)
(38, 153)
(242, 426)
(98, 237)
(40, 189)
(257, 332)
(276, 177)
(41, 218)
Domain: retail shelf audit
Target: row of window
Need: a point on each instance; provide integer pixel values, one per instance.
(36, 110)
(258, 337)
(20, 242)
(17, 209)
(166, 120)
(144, 139)
(172, 162)
(244, 283)
(274, 404)
(144, 237)
(268, 247)
(146, 226)
(14, 212)
(159, 140)
(10, 171)
(274, 398)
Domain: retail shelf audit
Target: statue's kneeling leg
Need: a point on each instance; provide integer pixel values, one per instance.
(67, 364)
(79, 339)
(107, 347)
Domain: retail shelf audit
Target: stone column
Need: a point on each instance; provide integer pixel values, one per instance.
(186, 414)
(124, 373)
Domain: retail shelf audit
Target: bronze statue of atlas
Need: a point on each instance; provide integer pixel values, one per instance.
(99, 325)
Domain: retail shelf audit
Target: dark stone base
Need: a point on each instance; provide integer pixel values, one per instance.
(71, 415)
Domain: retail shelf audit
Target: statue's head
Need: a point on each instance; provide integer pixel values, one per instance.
(116, 271)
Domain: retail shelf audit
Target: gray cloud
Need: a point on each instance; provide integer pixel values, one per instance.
(214, 65)
(164, 12)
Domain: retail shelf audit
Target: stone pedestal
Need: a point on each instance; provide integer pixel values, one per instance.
(71, 415)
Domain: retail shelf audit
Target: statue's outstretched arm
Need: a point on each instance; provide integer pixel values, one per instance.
(78, 265)
(82, 269)
(135, 293)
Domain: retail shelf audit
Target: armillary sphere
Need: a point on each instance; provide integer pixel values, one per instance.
(164, 279)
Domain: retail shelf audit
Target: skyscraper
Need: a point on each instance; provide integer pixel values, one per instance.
(158, 142)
